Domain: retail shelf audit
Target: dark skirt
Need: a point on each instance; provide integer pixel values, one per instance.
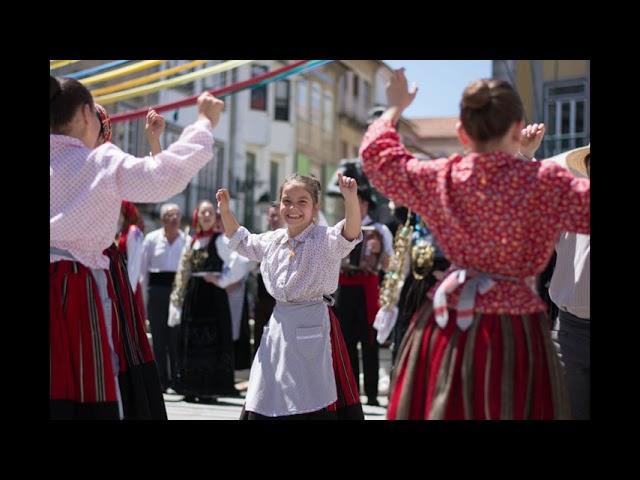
(206, 348)
(502, 367)
(139, 381)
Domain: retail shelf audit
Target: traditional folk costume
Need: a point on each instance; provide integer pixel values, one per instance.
(302, 368)
(357, 305)
(418, 281)
(206, 352)
(482, 349)
(138, 378)
(86, 189)
(130, 240)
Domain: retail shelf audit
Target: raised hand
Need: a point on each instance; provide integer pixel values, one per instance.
(348, 186)
(210, 107)
(398, 93)
(531, 138)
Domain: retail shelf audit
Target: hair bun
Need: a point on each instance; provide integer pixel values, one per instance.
(477, 95)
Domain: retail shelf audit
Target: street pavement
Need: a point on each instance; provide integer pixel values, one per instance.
(228, 408)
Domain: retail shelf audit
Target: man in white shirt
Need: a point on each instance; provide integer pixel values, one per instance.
(161, 251)
(570, 291)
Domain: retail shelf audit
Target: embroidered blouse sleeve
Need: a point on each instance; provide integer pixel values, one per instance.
(250, 245)
(396, 173)
(338, 246)
(154, 179)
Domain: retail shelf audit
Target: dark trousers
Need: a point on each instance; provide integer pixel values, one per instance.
(370, 366)
(165, 339)
(572, 339)
(350, 310)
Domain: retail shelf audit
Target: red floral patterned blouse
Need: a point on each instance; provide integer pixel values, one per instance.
(488, 211)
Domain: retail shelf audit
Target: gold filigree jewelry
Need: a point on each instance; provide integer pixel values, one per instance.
(393, 278)
(422, 256)
(199, 257)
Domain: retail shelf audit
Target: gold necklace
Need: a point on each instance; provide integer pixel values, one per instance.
(292, 248)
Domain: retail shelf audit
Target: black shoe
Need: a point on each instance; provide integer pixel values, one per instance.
(373, 402)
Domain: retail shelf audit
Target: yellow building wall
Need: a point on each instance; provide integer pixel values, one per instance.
(551, 70)
(559, 69)
(524, 86)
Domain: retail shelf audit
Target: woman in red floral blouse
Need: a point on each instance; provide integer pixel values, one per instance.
(482, 349)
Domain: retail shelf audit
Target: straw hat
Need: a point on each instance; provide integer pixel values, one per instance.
(574, 159)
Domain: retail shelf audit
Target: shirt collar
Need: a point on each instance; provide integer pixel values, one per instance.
(301, 237)
(65, 140)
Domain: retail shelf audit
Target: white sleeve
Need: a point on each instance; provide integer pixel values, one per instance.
(340, 247)
(156, 178)
(236, 267)
(222, 247)
(387, 238)
(135, 240)
(250, 245)
(144, 260)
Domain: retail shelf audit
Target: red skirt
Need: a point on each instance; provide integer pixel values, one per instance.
(82, 383)
(347, 406)
(139, 299)
(503, 367)
(138, 378)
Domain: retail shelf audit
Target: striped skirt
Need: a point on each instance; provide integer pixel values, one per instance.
(138, 378)
(347, 406)
(503, 367)
(82, 384)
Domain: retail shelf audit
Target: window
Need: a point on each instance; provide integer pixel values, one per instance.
(220, 182)
(316, 96)
(171, 134)
(366, 93)
(132, 141)
(209, 177)
(303, 105)
(342, 89)
(566, 116)
(206, 182)
(249, 185)
(328, 112)
(120, 134)
(258, 95)
(274, 179)
(282, 101)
